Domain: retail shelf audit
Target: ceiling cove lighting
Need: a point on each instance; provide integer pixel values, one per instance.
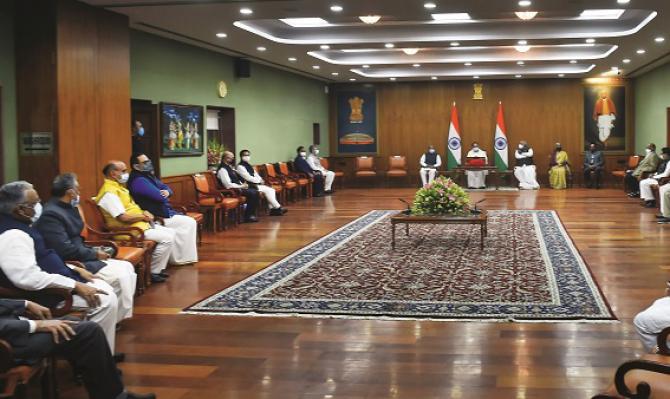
(370, 19)
(246, 11)
(451, 17)
(526, 15)
(336, 8)
(429, 6)
(659, 39)
(623, 1)
(221, 35)
(641, 51)
(522, 48)
(410, 51)
(389, 45)
(525, 3)
(305, 22)
(601, 14)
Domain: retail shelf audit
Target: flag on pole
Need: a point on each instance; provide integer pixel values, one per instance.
(500, 142)
(454, 141)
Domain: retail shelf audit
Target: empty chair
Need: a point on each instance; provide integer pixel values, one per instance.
(339, 175)
(365, 168)
(632, 163)
(397, 168)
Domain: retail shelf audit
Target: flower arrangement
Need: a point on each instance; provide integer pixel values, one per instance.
(214, 152)
(441, 197)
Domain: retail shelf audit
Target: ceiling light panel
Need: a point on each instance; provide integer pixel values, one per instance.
(305, 22)
(601, 14)
(459, 71)
(454, 17)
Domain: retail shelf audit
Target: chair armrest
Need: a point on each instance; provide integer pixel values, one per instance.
(230, 192)
(134, 233)
(65, 304)
(662, 342)
(102, 243)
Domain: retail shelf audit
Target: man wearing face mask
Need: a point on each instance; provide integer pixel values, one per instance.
(231, 180)
(593, 166)
(61, 225)
(477, 156)
(662, 171)
(247, 173)
(120, 210)
(430, 162)
(648, 164)
(301, 165)
(27, 264)
(315, 164)
(138, 137)
(524, 171)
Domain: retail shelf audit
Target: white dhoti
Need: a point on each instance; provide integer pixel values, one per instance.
(105, 314)
(329, 177)
(526, 175)
(476, 178)
(270, 195)
(427, 175)
(605, 126)
(165, 238)
(645, 188)
(185, 248)
(121, 276)
(664, 195)
(651, 321)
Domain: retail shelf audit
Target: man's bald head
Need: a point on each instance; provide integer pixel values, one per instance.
(113, 169)
(228, 157)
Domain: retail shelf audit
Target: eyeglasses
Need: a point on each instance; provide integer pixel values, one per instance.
(30, 205)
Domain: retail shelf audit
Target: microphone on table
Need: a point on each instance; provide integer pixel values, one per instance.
(476, 211)
(407, 211)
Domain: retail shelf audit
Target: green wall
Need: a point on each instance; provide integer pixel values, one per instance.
(7, 81)
(274, 110)
(652, 98)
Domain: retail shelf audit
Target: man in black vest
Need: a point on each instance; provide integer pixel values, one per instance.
(524, 170)
(430, 163)
(231, 180)
(300, 164)
(593, 166)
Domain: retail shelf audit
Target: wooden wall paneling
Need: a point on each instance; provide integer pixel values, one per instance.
(182, 185)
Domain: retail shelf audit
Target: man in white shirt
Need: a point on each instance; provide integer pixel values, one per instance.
(477, 178)
(315, 163)
(231, 180)
(20, 248)
(664, 195)
(646, 184)
(247, 172)
(430, 162)
(524, 171)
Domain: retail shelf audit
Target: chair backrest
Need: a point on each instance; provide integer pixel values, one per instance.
(201, 184)
(212, 180)
(283, 168)
(324, 162)
(365, 163)
(270, 170)
(397, 162)
(633, 161)
(92, 214)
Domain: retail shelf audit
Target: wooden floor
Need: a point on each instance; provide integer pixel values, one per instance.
(188, 356)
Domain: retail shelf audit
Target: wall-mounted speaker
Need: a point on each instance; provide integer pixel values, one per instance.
(242, 68)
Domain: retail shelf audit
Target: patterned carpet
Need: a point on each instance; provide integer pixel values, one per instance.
(528, 270)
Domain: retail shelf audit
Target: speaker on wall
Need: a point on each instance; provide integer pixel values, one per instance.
(242, 68)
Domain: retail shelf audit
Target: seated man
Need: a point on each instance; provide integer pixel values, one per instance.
(430, 162)
(301, 165)
(315, 164)
(119, 210)
(649, 323)
(231, 180)
(477, 157)
(664, 195)
(246, 171)
(662, 171)
(27, 264)
(594, 163)
(82, 343)
(153, 195)
(648, 164)
(524, 171)
(61, 226)
(559, 168)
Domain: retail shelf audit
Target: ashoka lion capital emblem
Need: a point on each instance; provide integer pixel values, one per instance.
(356, 105)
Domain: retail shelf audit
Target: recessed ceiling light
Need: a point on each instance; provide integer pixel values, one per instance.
(246, 11)
(560, 75)
(626, 61)
(573, 61)
(623, 1)
(221, 35)
(370, 19)
(316, 67)
(261, 48)
(615, 69)
(526, 15)
(429, 6)
(433, 77)
(336, 8)
(590, 41)
(392, 78)
(641, 51)
(659, 39)
(305, 22)
(410, 51)
(522, 42)
(454, 44)
(468, 64)
(325, 47)
(601, 14)
(475, 77)
(520, 63)
(352, 79)
(416, 65)
(522, 49)
(525, 3)
(335, 73)
(389, 45)
(451, 17)
(517, 76)
(292, 59)
(366, 66)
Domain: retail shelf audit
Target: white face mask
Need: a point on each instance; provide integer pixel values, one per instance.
(303, 154)
(246, 158)
(38, 212)
(647, 150)
(316, 151)
(476, 149)
(521, 146)
(432, 151)
(123, 179)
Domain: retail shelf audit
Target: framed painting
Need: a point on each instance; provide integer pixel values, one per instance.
(605, 117)
(181, 130)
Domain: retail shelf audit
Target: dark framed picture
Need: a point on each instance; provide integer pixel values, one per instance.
(181, 130)
(605, 117)
(356, 121)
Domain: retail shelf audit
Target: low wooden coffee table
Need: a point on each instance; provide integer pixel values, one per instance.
(402, 218)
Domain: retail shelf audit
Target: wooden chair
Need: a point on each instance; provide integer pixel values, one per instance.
(278, 191)
(645, 378)
(339, 175)
(655, 190)
(216, 207)
(213, 181)
(304, 182)
(192, 210)
(365, 168)
(397, 168)
(289, 187)
(130, 242)
(632, 163)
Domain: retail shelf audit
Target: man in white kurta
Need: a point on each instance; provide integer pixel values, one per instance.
(315, 163)
(524, 171)
(651, 321)
(248, 174)
(664, 195)
(430, 162)
(646, 184)
(477, 178)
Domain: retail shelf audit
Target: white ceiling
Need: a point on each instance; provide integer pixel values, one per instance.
(556, 36)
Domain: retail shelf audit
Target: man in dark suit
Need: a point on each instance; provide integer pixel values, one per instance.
(82, 343)
(302, 166)
(594, 161)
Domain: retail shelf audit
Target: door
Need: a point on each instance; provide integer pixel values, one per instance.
(221, 130)
(146, 113)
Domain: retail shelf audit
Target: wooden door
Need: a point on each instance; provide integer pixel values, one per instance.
(147, 112)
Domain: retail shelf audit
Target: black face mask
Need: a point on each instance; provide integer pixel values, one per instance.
(147, 167)
(559, 148)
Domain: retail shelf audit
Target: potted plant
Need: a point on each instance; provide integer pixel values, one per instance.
(214, 153)
(441, 197)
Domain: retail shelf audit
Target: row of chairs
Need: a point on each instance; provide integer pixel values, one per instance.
(633, 162)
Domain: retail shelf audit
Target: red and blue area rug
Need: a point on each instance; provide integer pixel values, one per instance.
(529, 270)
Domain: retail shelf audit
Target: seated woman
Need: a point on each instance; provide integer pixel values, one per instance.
(559, 168)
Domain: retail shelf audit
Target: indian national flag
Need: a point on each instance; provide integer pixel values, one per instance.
(500, 142)
(454, 141)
